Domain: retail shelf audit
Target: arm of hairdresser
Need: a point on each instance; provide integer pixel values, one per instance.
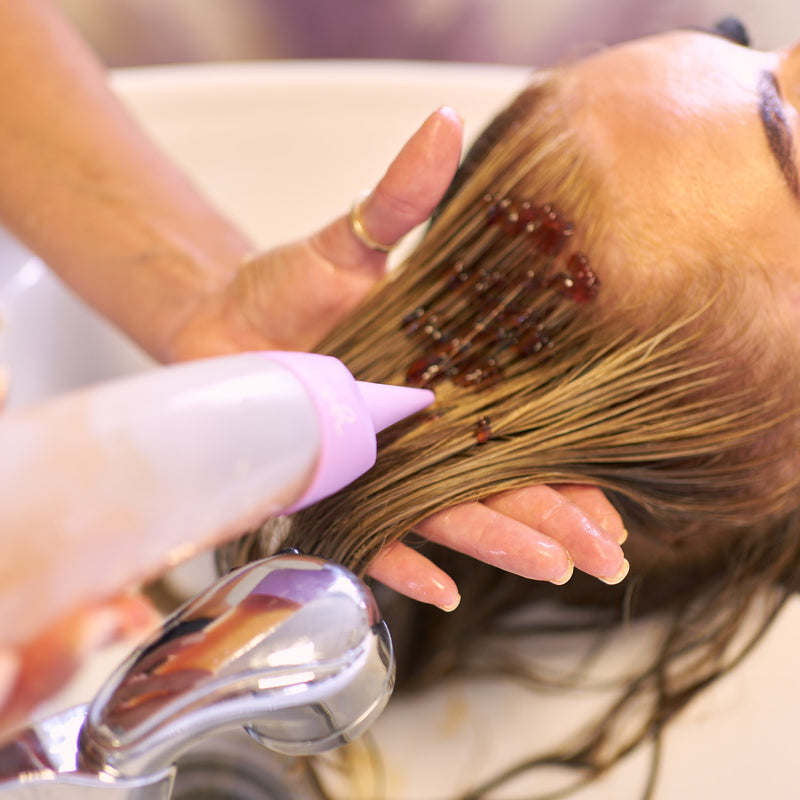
(84, 189)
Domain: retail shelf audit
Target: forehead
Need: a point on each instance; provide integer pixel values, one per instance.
(680, 95)
(672, 125)
(682, 66)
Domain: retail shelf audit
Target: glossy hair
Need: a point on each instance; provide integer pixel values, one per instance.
(677, 402)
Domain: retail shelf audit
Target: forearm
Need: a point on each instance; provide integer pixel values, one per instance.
(89, 193)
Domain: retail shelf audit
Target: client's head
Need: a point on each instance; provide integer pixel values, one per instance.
(607, 295)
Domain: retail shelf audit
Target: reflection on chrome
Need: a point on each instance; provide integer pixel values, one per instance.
(292, 648)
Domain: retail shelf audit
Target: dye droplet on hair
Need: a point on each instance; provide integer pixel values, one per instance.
(585, 284)
(501, 298)
(483, 430)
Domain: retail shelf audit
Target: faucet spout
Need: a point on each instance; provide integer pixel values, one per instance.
(292, 647)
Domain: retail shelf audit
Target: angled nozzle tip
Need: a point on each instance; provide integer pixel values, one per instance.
(389, 404)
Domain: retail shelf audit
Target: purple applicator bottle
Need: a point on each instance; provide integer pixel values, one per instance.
(350, 413)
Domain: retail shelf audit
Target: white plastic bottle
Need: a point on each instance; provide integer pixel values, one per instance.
(105, 486)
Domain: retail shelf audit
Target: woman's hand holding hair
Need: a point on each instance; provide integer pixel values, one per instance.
(540, 532)
(290, 297)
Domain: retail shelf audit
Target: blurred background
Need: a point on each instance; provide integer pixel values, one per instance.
(530, 32)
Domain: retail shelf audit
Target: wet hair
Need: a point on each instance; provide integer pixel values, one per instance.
(677, 402)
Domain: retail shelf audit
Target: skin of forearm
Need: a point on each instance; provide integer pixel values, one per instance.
(84, 189)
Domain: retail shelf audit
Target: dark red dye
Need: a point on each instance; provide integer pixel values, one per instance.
(478, 314)
(412, 322)
(459, 274)
(513, 317)
(581, 284)
(424, 371)
(552, 233)
(483, 430)
(531, 342)
(482, 374)
(584, 276)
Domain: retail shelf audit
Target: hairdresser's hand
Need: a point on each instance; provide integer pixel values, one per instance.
(540, 532)
(35, 671)
(291, 297)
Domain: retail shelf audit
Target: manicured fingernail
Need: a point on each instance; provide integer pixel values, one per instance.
(566, 576)
(621, 574)
(621, 538)
(449, 111)
(442, 593)
(453, 605)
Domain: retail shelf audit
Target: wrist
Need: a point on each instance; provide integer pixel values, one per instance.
(183, 310)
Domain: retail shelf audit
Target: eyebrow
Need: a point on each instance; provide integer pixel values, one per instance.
(779, 134)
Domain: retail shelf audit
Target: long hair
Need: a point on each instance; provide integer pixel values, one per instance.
(676, 402)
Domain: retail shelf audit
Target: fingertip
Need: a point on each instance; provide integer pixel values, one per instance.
(447, 135)
(445, 595)
(592, 501)
(436, 589)
(450, 114)
(452, 605)
(620, 575)
(126, 616)
(137, 615)
(97, 629)
(565, 578)
(410, 573)
(613, 526)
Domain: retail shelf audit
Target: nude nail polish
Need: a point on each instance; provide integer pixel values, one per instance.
(566, 576)
(620, 576)
(452, 606)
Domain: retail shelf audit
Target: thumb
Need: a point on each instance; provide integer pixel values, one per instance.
(405, 196)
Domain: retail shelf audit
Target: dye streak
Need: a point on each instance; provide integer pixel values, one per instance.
(507, 291)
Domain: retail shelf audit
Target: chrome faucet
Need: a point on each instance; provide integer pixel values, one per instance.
(292, 648)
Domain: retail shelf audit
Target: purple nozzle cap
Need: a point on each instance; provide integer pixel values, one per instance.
(349, 413)
(389, 404)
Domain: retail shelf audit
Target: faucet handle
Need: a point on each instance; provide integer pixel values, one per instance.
(292, 647)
